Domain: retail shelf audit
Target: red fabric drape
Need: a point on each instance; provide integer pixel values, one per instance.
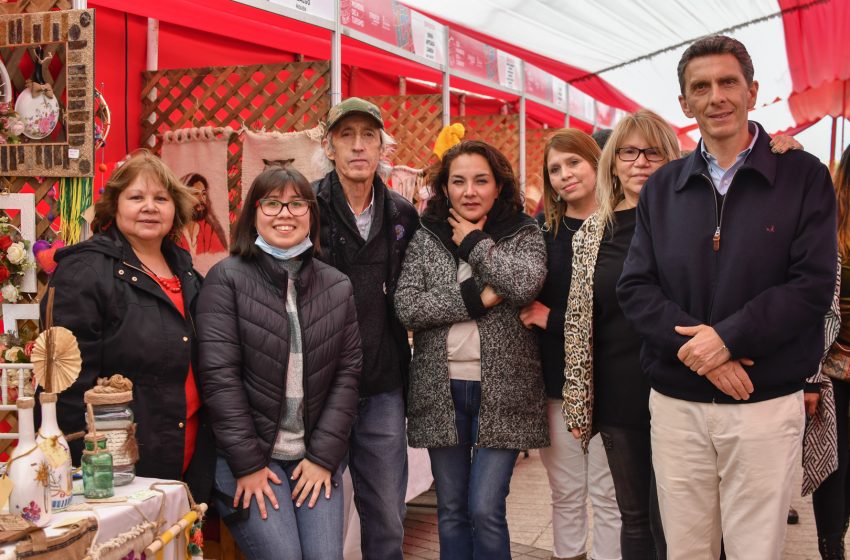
(818, 57)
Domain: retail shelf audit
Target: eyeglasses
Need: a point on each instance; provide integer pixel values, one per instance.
(632, 154)
(272, 207)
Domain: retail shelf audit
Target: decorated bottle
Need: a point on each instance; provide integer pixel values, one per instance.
(113, 416)
(29, 472)
(97, 468)
(53, 444)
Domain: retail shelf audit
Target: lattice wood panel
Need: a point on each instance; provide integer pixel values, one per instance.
(501, 131)
(32, 6)
(414, 121)
(535, 142)
(283, 97)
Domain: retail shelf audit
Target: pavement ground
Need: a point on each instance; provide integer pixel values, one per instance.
(530, 520)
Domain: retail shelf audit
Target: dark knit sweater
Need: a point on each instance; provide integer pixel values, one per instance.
(556, 288)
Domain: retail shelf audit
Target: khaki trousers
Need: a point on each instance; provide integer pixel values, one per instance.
(725, 469)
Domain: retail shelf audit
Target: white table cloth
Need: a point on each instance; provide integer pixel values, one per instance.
(117, 518)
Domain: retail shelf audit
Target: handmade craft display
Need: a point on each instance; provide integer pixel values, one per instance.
(56, 364)
(56, 141)
(5, 85)
(28, 471)
(55, 447)
(302, 150)
(15, 260)
(199, 157)
(37, 104)
(112, 415)
(96, 464)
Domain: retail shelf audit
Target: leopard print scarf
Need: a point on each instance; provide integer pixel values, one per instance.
(578, 330)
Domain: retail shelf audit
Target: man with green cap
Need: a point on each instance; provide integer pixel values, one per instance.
(365, 229)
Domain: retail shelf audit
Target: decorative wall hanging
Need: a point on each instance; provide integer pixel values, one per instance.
(411, 184)
(37, 104)
(25, 203)
(199, 157)
(69, 35)
(5, 85)
(15, 260)
(304, 149)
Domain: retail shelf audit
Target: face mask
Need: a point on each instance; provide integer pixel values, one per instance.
(283, 254)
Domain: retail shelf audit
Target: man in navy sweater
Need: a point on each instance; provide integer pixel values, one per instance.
(728, 278)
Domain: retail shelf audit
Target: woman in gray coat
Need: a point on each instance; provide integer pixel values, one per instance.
(476, 390)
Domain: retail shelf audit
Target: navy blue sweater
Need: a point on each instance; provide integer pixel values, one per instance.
(766, 288)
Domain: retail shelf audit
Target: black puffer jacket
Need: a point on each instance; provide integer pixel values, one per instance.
(243, 335)
(125, 323)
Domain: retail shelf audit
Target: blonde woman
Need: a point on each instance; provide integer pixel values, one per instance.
(606, 390)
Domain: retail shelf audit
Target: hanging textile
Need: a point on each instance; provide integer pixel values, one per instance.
(198, 156)
(302, 150)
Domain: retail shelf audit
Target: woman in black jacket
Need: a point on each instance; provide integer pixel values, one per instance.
(280, 366)
(128, 294)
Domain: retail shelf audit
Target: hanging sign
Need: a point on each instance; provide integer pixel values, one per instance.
(559, 92)
(508, 70)
(538, 83)
(472, 56)
(429, 37)
(581, 105)
(386, 20)
(319, 8)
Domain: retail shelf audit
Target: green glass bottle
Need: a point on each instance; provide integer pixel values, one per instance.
(97, 468)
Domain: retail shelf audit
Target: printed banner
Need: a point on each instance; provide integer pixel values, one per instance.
(538, 83)
(387, 20)
(472, 56)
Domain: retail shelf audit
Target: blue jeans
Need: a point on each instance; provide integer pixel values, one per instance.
(289, 533)
(377, 459)
(472, 486)
(630, 459)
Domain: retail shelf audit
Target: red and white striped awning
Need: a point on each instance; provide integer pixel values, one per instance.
(625, 53)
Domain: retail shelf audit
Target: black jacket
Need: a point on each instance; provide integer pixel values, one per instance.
(374, 276)
(243, 334)
(765, 290)
(125, 323)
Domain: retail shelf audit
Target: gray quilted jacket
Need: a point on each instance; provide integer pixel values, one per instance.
(429, 300)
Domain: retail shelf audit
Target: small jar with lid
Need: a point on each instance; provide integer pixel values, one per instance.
(97, 468)
(111, 401)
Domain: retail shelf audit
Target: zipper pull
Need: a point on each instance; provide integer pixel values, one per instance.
(715, 241)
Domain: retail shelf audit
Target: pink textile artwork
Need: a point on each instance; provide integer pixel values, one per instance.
(199, 157)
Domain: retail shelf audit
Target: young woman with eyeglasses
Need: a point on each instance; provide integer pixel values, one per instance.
(606, 391)
(569, 184)
(280, 363)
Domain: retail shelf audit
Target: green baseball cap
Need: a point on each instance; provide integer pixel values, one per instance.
(354, 105)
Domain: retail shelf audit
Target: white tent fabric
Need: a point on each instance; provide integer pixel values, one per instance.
(594, 35)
